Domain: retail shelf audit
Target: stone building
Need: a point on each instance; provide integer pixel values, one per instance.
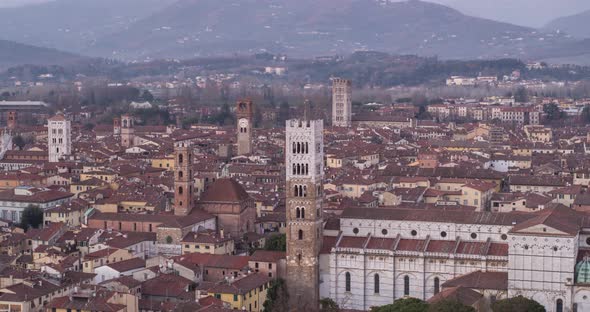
(183, 179)
(127, 131)
(341, 102)
(380, 255)
(59, 142)
(304, 176)
(230, 203)
(244, 114)
(11, 120)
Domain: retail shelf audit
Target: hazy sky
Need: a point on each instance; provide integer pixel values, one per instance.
(533, 13)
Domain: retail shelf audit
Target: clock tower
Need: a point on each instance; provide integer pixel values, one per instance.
(244, 113)
(304, 191)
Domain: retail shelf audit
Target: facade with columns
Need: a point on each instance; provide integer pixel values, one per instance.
(380, 255)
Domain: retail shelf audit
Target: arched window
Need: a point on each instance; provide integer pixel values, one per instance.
(180, 158)
(294, 147)
(559, 305)
(180, 190)
(180, 174)
(294, 169)
(436, 285)
(406, 285)
(299, 257)
(300, 235)
(376, 281)
(298, 169)
(347, 282)
(306, 147)
(297, 213)
(302, 213)
(298, 147)
(304, 191)
(296, 191)
(306, 169)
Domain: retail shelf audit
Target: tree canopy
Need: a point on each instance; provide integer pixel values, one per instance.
(277, 297)
(449, 306)
(276, 243)
(32, 217)
(403, 305)
(517, 304)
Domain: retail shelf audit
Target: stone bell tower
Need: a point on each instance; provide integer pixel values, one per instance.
(244, 114)
(127, 131)
(305, 172)
(183, 179)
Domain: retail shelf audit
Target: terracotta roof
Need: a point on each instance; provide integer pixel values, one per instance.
(480, 280)
(225, 190)
(241, 286)
(127, 265)
(463, 295)
(267, 256)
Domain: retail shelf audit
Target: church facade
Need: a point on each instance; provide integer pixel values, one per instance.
(380, 255)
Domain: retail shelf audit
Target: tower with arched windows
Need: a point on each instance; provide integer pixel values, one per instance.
(244, 115)
(59, 138)
(183, 177)
(127, 131)
(304, 170)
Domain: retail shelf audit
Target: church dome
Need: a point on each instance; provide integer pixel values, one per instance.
(225, 190)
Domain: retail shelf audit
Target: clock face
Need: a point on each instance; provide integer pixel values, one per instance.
(243, 123)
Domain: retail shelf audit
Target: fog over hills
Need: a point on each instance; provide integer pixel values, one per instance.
(148, 29)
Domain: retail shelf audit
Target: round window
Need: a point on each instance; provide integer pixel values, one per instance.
(504, 237)
(473, 235)
(355, 230)
(555, 248)
(588, 241)
(414, 233)
(384, 232)
(443, 234)
(526, 247)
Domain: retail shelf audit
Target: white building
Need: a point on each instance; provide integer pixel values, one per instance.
(341, 102)
(59, 142)
(13, 202)
(380, 255)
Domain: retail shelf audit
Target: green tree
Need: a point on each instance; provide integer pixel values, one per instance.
(32, 217)
(449, 306)
(19, 142)
(521, 95)
(403, 305)
(276, 242)
(277, 297)
(517, 304)
(553, 112)
(328, 305)
(88, 126)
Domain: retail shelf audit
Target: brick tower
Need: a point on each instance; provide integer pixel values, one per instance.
(305, 171)
(244, 114)
(127, 131)
(116, 126)
(183, 179)
(11, 120)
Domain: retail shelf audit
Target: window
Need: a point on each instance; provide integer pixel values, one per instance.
(300, 235)
(443, 234)
(235, 297)
(376, 281)
(504, 237)
(559, 305)
(406, 285)
(473, 235)
(414, 233)
(436, 285)
(347, 277)
(384, 232)
(355, 230)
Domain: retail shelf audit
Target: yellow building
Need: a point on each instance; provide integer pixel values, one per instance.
(166, 162)
(87, 185)
(207, 242)
(71, 213)
(247, 293)
(106, 176)
(104, 256)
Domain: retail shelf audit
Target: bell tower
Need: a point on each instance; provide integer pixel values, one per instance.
(244, 113)
(183, 179)
(127, 130)
(305, 172)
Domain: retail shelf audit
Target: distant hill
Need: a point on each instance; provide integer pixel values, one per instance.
(319, 27)
(577, 25)
(12, 53)
(147, 29)
(72, 25)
